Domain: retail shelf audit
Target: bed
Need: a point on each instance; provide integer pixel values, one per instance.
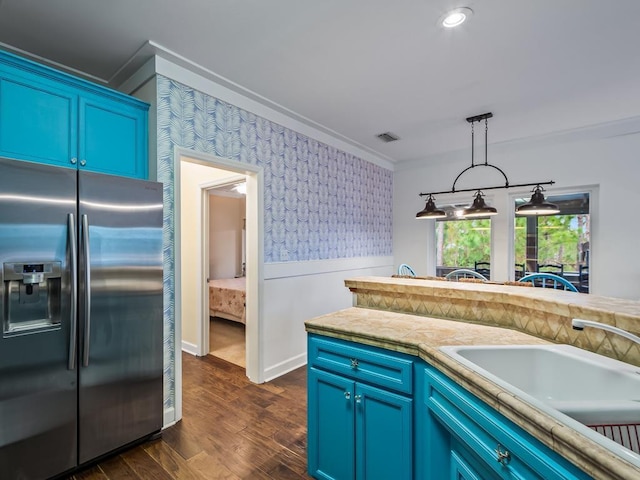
(227, 298)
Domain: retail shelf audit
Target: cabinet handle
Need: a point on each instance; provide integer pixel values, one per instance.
(347, 395)
(354, 363)
(74, 160)
(83, 163)
(503, 455)
(358, 398)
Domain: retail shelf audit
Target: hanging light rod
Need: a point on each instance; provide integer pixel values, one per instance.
(533, 184)
(536, 206)
(472, 120)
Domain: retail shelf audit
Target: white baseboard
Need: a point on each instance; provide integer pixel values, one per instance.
(285, 367)
(169, 417)
(191, 348)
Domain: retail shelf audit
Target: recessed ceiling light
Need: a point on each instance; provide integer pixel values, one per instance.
(456, 17)
(241, 188)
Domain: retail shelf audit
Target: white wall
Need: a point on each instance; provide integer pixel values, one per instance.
(607, 156)
(226, 215)
(297, 291)
(192, 175)
(148, 92)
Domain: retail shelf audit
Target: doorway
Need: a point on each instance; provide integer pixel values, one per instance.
(226, 262)
(192, 302)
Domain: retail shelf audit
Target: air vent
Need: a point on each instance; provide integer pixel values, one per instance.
(388, 137)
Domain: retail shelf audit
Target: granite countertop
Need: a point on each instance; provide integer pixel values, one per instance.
(422, 336)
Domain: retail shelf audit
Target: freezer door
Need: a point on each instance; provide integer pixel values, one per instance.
(120, 312)
(38, 373)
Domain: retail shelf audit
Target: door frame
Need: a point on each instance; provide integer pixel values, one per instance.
(255, 263)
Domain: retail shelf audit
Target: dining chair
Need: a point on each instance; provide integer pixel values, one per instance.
(456, 275)
(549, 280)
(405, 269)
(555, 268)
(483, 268)
(583, 278)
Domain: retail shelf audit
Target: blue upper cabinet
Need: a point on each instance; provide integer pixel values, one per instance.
(50, 117)
(113, 137)
(38, 121)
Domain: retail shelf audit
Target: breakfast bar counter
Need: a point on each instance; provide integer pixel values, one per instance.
(372, 323)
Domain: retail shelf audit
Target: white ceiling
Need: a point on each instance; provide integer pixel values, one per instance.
(362, 67)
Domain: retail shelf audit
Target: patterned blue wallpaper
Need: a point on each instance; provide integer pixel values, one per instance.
(319, 202)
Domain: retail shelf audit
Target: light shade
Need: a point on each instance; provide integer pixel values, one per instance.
(537, 205)
(431, 212)
(479, 208)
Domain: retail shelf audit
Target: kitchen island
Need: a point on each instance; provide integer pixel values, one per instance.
(487, 315)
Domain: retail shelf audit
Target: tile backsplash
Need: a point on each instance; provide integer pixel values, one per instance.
(544, 314)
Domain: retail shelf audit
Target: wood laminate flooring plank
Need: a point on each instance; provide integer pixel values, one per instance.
(231, 429)
(116, 467)
(227, 340)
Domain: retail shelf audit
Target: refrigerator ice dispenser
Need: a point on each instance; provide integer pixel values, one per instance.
(31, 297)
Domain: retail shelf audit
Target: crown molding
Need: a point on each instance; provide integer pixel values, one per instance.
(154, 58)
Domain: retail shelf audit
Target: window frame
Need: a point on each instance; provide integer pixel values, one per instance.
(592, 190)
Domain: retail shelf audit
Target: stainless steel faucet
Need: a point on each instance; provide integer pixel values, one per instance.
(579, 324)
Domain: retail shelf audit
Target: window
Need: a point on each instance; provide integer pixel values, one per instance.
(463, 244)
(558, 244)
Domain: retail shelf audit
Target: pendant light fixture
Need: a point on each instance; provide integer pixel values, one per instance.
(538, 205)
(431, 212)
(479, 208)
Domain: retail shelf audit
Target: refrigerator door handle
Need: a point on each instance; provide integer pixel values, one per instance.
(73, 264)
(87, 289)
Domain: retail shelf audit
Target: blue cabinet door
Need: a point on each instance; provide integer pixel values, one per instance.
(113, 137)
(38, 122)
(461, 469)
(50, 117)
(491, 444)
(331, 441)
(384, 434)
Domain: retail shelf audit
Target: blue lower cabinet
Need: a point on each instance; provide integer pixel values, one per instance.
(461, 468)
(360, 412)
(381, 415)
(331, 420)
(384, 434)
(466, 438)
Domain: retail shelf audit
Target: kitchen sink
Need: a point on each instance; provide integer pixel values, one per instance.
(589, 388)
(570, 379)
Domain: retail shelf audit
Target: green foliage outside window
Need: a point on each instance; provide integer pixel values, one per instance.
(461, 243)
(562, 239)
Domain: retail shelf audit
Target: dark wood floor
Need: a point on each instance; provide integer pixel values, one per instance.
(231, 429)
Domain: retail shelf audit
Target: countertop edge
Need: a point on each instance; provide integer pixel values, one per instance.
(550, 431)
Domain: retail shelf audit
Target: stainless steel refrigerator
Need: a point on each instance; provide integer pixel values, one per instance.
(81, 316)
